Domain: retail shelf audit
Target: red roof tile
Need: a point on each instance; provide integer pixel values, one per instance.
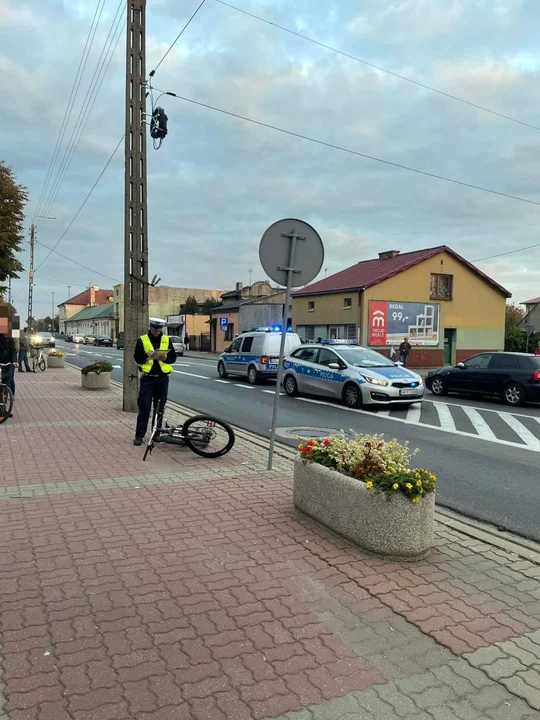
(367, 273)
(101, 298)
(534, 301)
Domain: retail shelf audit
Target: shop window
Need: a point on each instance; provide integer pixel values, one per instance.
(229, 332)
(310, 333)
(441, 287)
(311, 306)
(351, 332)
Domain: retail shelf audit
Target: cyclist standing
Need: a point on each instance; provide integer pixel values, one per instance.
(154, 354)
(8, 354)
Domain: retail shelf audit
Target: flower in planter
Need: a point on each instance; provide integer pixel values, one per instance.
(56, 353)
(98, 367)
(382, 465)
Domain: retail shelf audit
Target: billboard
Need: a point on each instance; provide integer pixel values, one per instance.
(390, 322)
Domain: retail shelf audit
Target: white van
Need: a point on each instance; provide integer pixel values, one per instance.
(255, 354)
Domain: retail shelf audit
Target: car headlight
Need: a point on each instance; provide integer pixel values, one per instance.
(375, 381)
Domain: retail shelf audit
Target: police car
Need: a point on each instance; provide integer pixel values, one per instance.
(255, 354)
(353, 373)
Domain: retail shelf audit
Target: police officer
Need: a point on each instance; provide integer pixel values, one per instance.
(154, 354)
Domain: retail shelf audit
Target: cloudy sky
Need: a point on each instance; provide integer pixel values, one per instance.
(218, 182)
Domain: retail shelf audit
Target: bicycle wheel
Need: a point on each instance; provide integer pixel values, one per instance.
(208, 436)
(42, 365)
(6, 403)
(34, 364)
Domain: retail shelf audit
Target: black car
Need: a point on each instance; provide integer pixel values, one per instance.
(120, 340)
(513, 377)
(103, 340)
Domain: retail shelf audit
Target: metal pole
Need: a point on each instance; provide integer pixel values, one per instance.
(290, 270)
(31, 277)
(52, 315)
(136, 221)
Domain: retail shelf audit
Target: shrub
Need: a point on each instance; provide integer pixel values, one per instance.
(56, 353)
(98, 367)
(380, 464)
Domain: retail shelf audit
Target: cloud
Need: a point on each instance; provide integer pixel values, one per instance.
(218, 182)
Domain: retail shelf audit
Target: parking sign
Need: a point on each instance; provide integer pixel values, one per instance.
(223, 323)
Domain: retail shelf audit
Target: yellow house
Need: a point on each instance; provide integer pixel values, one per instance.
(446, 307)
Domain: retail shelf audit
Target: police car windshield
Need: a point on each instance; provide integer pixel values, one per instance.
(362, 357)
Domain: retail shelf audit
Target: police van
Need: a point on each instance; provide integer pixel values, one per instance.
(255, 354)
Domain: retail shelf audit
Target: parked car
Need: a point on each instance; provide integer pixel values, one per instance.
(255, 354)
(103, 340)
(78, 338)
(120, 341)
(68, 337)
(513, 377)
(353, 373)
(89, 339)
(178, 345)
(44, 339)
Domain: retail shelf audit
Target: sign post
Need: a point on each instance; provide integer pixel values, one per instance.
(292, 254)
(223, 323)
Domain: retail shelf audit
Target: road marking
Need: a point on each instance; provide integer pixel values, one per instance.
(480, 425)
(413, 414)
(225, 382)
(203, 377)
(246, 387)
(445, 416)
(272, 392)
(519, 428)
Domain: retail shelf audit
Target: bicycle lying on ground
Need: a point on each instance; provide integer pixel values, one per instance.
(6, 397)
(38, 361)
(203, 434)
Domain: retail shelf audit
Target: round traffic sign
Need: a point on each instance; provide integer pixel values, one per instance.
(274, 252)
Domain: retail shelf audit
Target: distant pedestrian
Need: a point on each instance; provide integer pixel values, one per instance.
(319, 341)
(23, 351)
(404, 350)
(186, 342)
(537, 351)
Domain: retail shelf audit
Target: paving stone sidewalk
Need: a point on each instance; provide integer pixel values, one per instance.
(189, 589)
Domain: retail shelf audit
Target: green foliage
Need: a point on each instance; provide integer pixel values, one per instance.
(13, 198)
(98, 367)
(209, 304)
(191, 306)
(514, 315)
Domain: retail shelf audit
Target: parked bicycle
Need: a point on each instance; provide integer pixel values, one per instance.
(6, 397)
(205, 435)
(38, 361)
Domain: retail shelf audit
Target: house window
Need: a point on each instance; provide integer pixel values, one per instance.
(229, 332)
(311, 306)
(310, 333)
(441, 287)
(347, 303)
(351, 332)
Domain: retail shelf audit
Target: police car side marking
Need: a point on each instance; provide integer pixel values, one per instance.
(332, 375)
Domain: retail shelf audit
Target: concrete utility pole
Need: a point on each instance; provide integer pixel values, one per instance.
(136, 220)
(52, 314)
(31, 277)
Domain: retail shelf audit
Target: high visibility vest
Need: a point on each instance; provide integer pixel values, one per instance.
(148, 347)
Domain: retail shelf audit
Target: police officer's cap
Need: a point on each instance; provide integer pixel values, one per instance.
(157, 323)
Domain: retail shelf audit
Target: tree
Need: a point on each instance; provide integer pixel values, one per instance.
(191, 306)
(13, 198)
(514, 315)
(514, 339)
(208, 305)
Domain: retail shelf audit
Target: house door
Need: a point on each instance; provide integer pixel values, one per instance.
(449, 346)
(333, 333)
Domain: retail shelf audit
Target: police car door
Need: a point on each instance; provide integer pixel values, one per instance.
(329, 380)
(304, 364)
(233, 356)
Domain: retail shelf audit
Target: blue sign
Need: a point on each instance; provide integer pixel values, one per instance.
(223, 323)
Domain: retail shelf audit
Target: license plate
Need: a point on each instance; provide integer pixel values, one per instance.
(409, 391)
(274, 361)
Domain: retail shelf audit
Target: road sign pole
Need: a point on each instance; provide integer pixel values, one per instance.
(290, 270)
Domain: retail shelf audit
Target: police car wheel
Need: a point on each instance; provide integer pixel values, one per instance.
(352, 396)
(221, 370)
(252, 375)
(290, 385)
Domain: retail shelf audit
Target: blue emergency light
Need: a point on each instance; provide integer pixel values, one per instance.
(274, 328)
(337, 341)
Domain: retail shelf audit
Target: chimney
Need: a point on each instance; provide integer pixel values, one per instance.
(388, 254)
(92, 290)
(239, 286)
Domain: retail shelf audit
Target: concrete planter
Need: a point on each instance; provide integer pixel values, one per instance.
(393, 527)
(55, 362)
(96, 381)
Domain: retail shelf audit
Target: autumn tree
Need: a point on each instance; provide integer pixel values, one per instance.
(13, 198)
(514, 315)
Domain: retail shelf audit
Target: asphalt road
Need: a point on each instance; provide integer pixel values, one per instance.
(485, 455)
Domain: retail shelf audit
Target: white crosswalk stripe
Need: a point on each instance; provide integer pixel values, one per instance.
(445, 416)
(519, 428)
(414, 413)
(480, 425)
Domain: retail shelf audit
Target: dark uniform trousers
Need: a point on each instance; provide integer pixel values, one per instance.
(153, 390)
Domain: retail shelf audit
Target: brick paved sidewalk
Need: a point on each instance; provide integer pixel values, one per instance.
(188, 589)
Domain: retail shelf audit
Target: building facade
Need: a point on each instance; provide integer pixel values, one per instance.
(89, 298)
(97, 320)
(531, 322)
(447, 308)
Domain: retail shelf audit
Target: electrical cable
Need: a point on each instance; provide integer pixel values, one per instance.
(509, 252)
(71, 102)
(87, 106)
(378, 67)
(82, 204)
(177, 38)
(341, 148)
